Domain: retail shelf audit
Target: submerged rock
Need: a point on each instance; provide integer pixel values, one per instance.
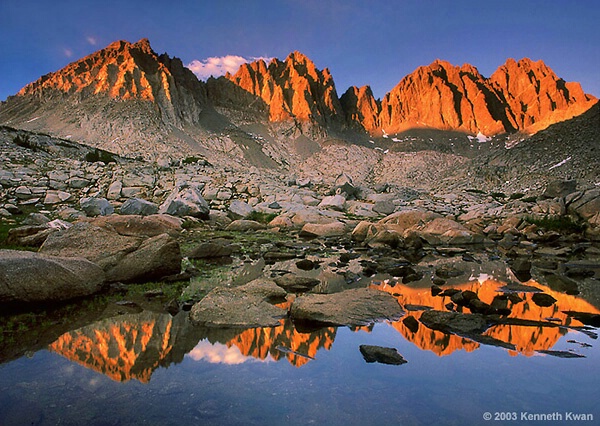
(381, 355)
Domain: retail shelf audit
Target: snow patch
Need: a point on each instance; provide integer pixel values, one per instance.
(33, 119)
(481, 138)
(560, 164)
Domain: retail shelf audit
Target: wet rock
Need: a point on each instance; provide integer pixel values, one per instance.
(34, 277)
(296, 284)
(138, 206)
(306, 265)
(411, 323)
(435, 290)
(585, 317)
(479, 307)
(96, 206)
(245, 306)
(454, 322)
(522, 269)
(448, 271)
(381, 355)
(349, 307)
(543, 299)
(561, 283)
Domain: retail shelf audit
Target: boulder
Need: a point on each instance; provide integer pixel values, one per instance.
(350, 307)
(138, 206)
(123, 258)
(585, 205)
(249, 305)
(312, 230)
(96, 206)
(155, 258)
(447, 231)
(296, 284)
(35, 277)
(239, 209)
(55, 197)
(114, 190)
(243, 225)
(334, 202)
(560, 188)
(140, 226)
(186, 201)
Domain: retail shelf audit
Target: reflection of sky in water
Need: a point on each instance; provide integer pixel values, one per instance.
(218, 353)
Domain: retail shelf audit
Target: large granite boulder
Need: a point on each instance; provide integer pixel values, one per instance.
(186, 201)
(34, 277)
(96, 206)
(123, 258)
(350, 307)
(140, 226)
(250, 305)
(138, 206)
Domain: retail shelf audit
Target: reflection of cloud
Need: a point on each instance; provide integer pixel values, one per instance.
(218, 66)
(217, 353)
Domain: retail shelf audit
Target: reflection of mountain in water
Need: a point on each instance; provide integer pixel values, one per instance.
(133, 346)
(526, 339)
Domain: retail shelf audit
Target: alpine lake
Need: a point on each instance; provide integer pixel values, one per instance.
(120, 358)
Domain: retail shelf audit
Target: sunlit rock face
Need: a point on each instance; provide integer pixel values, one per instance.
(536, 96)
(522, 95)
(293, 89)
(126, 71)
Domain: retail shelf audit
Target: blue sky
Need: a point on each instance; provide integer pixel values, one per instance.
(375, 42)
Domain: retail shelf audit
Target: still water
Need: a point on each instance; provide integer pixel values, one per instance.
(151, 368)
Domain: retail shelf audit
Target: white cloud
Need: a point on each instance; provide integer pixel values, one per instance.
(67, 52)
(218, 66)
(92, 40)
